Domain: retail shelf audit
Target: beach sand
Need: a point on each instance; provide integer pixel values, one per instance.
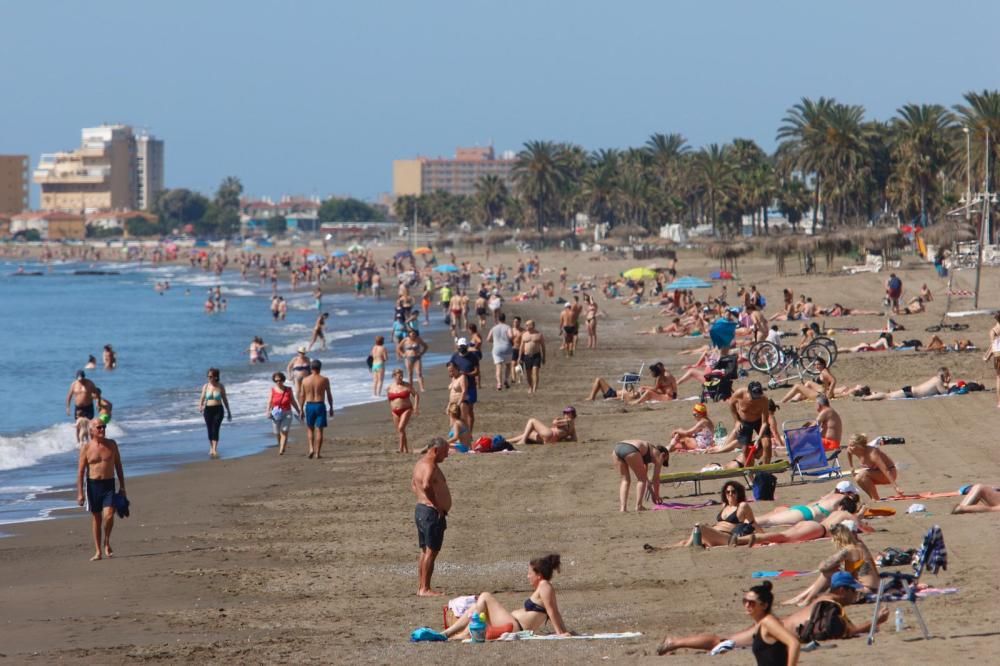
(287, 560)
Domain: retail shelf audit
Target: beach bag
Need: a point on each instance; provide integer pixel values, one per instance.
(826, 622)
(483, 445)
(501, 444)
(975, 386)
(764, 484)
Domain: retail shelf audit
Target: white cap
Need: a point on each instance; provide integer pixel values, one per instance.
(462, 342)
(568, 305)
(845, 487)
(851, 525)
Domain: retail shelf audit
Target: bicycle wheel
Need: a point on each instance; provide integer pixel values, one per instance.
(957, 327)
(933, 329)
(764, 356)
(830, 345)
(814, 352)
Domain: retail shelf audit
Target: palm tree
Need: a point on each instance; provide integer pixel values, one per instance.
(803, 137)
(845, 153)
(793, 200)
(540, 172)
(981, 115)
(713, 167)
(666, 154)
(600, 186)
(923, 143)
(491, 197)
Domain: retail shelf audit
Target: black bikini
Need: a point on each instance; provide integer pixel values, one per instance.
(531, 606)
(731, 518)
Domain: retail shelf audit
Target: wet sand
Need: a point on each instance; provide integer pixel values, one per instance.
(288, 560)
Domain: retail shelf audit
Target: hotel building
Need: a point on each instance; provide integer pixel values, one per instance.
(456, 176)
(13, 183)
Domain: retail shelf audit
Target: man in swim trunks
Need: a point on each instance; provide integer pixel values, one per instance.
(433, 504)
(98, 465)
(568, 328)
(532, 353)
(749, 406)
(936, 385)
(82, 392)
(893, 290)
(830, 424)
(314, 392)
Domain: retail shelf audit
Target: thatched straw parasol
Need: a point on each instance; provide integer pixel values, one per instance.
(779, 247)
(555, 235)
(494, 236)
(728, 253)
(627, 230)
(944, 234)
(833, 244)
(529, 235)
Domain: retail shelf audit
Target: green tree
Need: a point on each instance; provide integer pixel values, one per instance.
(600, 186)
(139, 226)
(793, 200)
(540, 172)
(669, 166)
(981, 116)
(179, 207)
(276, 225)
(491, 198)
(714, 169)
(803, 136)
(924, 137)
(348, 210)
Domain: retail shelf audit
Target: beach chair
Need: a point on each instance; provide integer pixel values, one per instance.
(806, 452)
(747, 472)
(932, 555)
(630, 380)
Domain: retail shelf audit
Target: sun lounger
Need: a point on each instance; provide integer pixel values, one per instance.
(712, 475)
(806, 452)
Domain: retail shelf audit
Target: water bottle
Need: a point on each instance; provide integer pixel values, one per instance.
(720, 433)
(899, 619)
(477, 627)
(696, 536)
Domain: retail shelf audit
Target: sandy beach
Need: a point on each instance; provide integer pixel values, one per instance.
(268, 560)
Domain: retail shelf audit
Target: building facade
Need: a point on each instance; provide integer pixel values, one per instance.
(50, 225)
(102, 174)
(149, 170)
(456, 176)
(13, 183)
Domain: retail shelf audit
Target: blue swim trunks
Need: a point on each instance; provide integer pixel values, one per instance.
(315, 415)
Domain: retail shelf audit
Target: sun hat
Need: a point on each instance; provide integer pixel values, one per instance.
(700, 408)
(844, 579)
(845, 487)
(301, 350)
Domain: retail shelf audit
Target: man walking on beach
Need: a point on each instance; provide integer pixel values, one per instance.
(314, 393)
(81, 392)
(893, 291)
(433, 505)
(99, 463)
(532, 353)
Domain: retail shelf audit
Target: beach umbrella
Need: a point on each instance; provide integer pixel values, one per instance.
(446, 268)
(338, 253)
(423, 250)
(315, 257)
(688, 282)
(402, 254)
(627, 230)
(639, 273)
(722, 332)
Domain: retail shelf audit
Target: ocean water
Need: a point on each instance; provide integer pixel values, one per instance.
(165, 343)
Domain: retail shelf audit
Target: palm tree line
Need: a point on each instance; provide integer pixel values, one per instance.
(830, 159)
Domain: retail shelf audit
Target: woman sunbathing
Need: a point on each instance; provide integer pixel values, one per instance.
(807, 530)
(675, 328)
(735, 512)
(852, 556)
(539, 608)
(981, 498)
(839, 310)
(635, 456)
(665, 388)
(535, 432)
(844, 497)
(698, 437)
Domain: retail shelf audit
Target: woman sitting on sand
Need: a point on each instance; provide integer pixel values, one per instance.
(458, 432)
(675, 328)
(980, 498)
(636, 455)
(539, 608)
(403, 403)
(535, 432)
(844, 497)
(852, 556)
(915, 306)
(665, 388)
(698, 437)
(735, 511)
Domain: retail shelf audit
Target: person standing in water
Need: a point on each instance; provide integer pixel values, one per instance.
(211, 403)
(110, 358)
(318, 333)
(298, 368)
(314, 393)
(99, 463)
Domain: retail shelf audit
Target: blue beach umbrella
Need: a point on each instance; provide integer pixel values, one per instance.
(722, 332)
(446, 268)
(338, 253)
(688, 282)
(315, 257)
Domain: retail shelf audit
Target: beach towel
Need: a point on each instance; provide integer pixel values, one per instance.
(681, 505)
(781, 573)
(531, 636)
(924, 496)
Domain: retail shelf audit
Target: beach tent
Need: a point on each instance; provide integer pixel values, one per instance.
(722, 332)
(688, 282)
(446, 268)
(721, 275)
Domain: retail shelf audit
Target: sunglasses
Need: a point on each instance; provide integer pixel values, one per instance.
(100, 427)
(730, 491)
(750, 602)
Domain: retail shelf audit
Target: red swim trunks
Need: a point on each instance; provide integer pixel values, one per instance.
(830, 444)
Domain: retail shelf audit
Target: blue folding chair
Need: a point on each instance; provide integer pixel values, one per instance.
(806, 453)
(934, 556)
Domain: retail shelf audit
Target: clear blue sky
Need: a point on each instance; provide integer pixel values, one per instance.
(318, 97)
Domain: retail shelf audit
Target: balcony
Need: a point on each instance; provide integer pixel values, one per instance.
(96, 175)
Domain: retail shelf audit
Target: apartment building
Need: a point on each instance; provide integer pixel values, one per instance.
(13, 183)
(149, 170)
(456, 175)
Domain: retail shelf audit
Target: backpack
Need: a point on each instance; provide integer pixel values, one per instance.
(483, 445)
(764, 484)
(826, 622)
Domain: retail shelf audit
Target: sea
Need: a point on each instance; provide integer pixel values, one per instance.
(52, 317)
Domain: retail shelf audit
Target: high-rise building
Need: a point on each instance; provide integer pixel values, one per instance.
(455, 176)
(103, 173)
(149, 170)
(13, 183)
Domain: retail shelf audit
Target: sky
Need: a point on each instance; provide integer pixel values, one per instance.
(318, 97)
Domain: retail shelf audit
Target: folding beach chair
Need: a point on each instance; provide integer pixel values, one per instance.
(806, 452)
(933, 556)
(719, 474)
(630, 380)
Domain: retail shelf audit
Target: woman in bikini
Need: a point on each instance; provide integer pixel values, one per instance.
(591, 318)
(845, 497)
(211, 403)
(735, 511)
(401, 405)
(281, 405)
(807, 530)
(563, 429)
(379, 358)
(664, 390)
(458, 387)
(698, 437)
(458, 432)
(879, 468)
(539, 608)
(994, 352)
(414, 348)
(852, 556)
(634, 456)
(980, 498)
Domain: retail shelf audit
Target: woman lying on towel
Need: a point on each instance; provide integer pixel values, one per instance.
(844, 497)
(852, 556)
(535, 432)
(807, 530)
(540, 607)
(839, 310)
(736, 513)
(981, 498)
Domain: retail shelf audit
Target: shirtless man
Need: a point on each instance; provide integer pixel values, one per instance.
(515, 340)
(99, 463)
(830, 424)
(81, 392)
(577, 309)
(749, 406)
(808, 390)
(455, 310)
(433, 505)
(759, 323)
(879, 467)
(318, 333)
(314, 392)
(568, 329)
(298, 368)
(936, 385)
(532, 353)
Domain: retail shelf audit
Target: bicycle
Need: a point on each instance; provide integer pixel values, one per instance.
(941, 326)
(784, 363)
